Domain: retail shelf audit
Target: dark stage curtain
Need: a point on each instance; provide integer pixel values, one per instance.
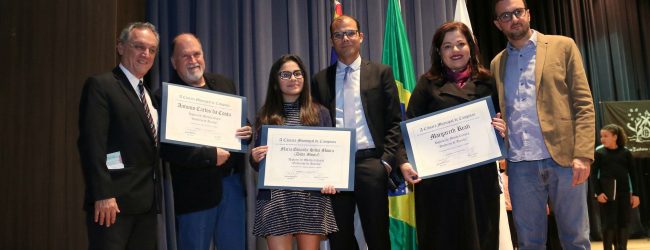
(50, 47)
(614, 38)
(242, 39)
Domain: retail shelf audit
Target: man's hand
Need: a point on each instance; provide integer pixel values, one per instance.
(581, 170)
(222, 156)
(602, 198)
(106, 212)
(244, 133)
(410, 175)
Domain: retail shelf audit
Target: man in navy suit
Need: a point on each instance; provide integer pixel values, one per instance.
(118, 147)
(209, 197)
(362, 95)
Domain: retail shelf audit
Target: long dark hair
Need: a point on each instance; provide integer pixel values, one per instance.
(271, 112)
(438, 69)
(621, 137)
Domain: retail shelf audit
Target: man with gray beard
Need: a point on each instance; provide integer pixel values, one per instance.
(209, 197)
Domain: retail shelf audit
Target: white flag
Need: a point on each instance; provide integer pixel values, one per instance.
(461, 14)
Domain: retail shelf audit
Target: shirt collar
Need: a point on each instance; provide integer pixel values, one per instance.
(354, 65)
(532, 41)
(134, 81)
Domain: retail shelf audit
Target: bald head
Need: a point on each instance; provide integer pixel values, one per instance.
(187, 59)
(341, 19)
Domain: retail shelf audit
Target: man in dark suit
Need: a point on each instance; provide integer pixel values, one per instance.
(362, 95)
(118, 147)
(202, 176)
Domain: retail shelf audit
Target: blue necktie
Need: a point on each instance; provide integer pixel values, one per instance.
(349, 117)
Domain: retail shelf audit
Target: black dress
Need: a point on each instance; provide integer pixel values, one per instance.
(280, 212)
(458, 210)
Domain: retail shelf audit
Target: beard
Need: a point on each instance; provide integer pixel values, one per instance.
(519, 34)
(192, 76)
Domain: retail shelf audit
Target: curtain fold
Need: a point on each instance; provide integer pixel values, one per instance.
(241, 39)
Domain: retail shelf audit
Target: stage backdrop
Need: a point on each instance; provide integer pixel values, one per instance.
(634, 117)
(241, 39)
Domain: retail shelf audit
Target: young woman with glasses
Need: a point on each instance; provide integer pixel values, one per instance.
(281, 215)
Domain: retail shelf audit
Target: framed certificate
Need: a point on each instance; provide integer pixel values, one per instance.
(453, 139)
(307, 158)
(199, 117)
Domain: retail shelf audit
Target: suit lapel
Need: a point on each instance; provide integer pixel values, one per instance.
(212, 84)
(502, 66)
(501, 71)
(331, 96)
(451, 89)
(540, 58)
(364, 84)
(215, 85)
(133, 97)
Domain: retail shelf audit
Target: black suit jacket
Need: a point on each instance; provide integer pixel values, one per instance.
(195, 176)
(112, 119)
(380, 105)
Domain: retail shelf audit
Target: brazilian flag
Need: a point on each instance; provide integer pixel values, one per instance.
(397, 54)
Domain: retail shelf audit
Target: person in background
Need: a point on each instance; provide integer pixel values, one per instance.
(281, 215)
(458, 210)
(613, 163)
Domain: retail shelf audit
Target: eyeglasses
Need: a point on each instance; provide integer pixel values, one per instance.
(142, 48)
(286, 75)
(348, 33)
(507, 16)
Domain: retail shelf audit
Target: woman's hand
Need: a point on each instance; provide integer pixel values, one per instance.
(259, 153)
(329, 189)
(602, 198)
(499, 124)
(634, 200)
(410, 175)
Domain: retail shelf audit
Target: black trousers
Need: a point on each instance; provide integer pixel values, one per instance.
(128, 232)
(371, 198)
(616, 214)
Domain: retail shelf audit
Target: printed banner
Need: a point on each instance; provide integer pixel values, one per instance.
(634, 117)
